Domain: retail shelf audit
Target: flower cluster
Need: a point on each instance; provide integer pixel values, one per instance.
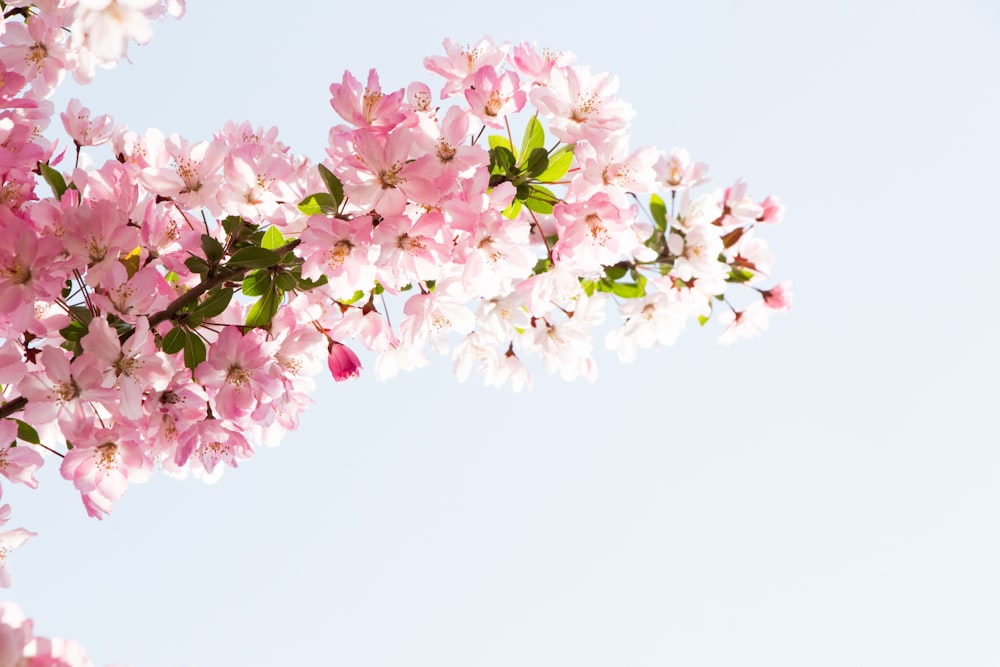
(19, 647)
(170, 306)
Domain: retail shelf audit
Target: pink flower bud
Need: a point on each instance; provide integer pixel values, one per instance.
(344, 364)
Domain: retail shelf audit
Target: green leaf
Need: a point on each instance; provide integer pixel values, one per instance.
(540, 200)
(253, 257)
(502, 160)
(513, 210)
(263, 310)
(659, 212)
(285, 281)
(538, 162)
(307, 284)
(739, 275)
(631, 290)
(534, 137)
(27, 433)
(497, 141)
(354, 299)
(53, 178)
(215, 303)
(559, 163)
(321, 203)
(257, 283)
(333, 184)
(131, 261)
(73, 331)
(231, 223)
(541, 266)
(272, 239)
(703, 319)
(173, 342)
(616, 272)
(212, 249)
(196, 265)
(588, 286)
(538, 205)
(628, 290)
(194, 350)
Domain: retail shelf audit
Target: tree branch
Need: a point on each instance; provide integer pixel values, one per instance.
(193, 294)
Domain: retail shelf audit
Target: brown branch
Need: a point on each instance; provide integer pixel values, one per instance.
(168, 313)
(193, 294)
(14, 406)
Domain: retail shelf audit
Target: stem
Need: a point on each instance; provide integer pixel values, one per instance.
(14, 406)
(538, 228)
(60, 455)
(193, 294)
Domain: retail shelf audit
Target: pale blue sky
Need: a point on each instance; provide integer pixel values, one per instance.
(826, 495)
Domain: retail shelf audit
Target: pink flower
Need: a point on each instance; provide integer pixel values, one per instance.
(84, 130)
(593, 234)
(493, 96)
(343, 363)
(779, 297)
(582, 105)
(9, 539)
(65, 390)
(773, 211)
(18, 463)
(676, 171)
(207, 444)
(136, 365)
(15, 634)
(747, 323)
(101, 466)
(342, 250)
(459, 64)
(538, 66)
(238, 371)
(368, 108)
(379, 173)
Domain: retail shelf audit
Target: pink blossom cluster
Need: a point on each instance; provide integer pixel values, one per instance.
(20, 647)
(170, 306)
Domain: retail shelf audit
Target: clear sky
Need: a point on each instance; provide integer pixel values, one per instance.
(826, 495)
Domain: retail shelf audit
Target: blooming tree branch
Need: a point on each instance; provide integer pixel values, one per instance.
(169, 307)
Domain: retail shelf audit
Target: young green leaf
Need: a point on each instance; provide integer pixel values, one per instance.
(253, 257)
(502, 160)
(739, 275)
(53, 178)
(496, 140)
(658, 210)
(263, 310)
(333, 184)
(538, 162)
(534, 136)
(272, 239)
(27, 433)
(629, 290)
(559, 163)
(321, 203)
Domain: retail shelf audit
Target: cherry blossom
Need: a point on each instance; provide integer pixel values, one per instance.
(167, 301)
